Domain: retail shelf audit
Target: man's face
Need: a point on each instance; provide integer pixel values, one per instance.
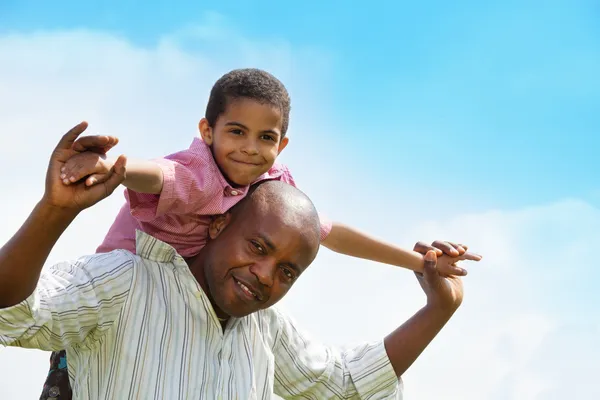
(251, 264)
(245, 140)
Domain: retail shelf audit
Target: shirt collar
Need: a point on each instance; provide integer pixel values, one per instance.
(152, 249)
(200, 147)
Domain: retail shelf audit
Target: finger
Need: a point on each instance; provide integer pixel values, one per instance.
(460, 247)
(448, 270)
(422, 247)
(95, 179)
(430, 272)
(66, 142)
(96, 143)
(446, 248)
(469, 257)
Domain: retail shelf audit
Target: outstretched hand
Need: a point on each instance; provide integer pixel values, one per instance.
(76, 197)
(444, 291)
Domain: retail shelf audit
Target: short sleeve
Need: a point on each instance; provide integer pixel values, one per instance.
(189, 184)
(305, 368)
(74, 303)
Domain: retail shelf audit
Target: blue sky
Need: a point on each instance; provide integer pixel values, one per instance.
(430, 120)
(505, 96)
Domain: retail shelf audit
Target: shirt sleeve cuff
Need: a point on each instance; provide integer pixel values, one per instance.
(373, 374)
(15, 321)
(326, 225)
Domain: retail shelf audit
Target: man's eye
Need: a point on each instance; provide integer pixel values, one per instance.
(258, 246)
(289, 274)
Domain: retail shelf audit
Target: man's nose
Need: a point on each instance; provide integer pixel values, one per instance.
(264, 272)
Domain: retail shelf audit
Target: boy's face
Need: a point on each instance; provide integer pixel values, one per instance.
(245, 140)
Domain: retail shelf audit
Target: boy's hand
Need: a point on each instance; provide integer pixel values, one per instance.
(448, 254)
(76, 197)
(96, 167)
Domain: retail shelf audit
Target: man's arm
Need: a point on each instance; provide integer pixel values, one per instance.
(444, 296)
(407, 342)
(352, 242)
(73, 303)
(22, 257)
(305, 368)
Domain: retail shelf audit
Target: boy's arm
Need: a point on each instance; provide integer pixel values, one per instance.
(180, 183)
(142, 176)
(352, 242)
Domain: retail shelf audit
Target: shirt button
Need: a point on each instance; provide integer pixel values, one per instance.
(234, 192)
(54, 391)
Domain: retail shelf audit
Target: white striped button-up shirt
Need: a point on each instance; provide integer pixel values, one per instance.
(140, 327)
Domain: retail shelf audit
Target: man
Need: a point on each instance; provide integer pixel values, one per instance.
(152, 325)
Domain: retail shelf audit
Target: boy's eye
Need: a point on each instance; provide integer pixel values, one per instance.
(237, 131)
(268, 137)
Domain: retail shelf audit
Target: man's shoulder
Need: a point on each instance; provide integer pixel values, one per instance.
(97, 264)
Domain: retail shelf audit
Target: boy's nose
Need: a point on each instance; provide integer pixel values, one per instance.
(250, 148)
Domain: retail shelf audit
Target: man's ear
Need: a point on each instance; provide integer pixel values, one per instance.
(218, 224)
(205, 131)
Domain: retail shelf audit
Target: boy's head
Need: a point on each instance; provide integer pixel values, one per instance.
(245, 124)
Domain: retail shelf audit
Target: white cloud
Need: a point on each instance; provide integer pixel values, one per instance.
(527, 329)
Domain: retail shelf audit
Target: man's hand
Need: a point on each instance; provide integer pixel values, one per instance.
(76, 197)
(443, 293)
(95, 143)
(448, 254)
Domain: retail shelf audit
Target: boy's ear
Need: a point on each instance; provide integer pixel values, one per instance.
(218, 224)
(205, 131)
(282, 144)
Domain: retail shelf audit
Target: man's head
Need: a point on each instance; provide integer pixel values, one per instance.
(245, 124)
(259, 249)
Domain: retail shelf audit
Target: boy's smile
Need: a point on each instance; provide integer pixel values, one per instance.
(245, 140)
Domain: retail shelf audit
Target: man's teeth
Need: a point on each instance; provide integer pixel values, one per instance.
(246, 289)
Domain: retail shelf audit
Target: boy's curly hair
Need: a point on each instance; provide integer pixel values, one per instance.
(250, 83)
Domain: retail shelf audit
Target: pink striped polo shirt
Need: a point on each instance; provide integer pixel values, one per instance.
(194, 189)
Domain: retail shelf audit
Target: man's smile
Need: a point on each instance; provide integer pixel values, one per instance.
(248, 290)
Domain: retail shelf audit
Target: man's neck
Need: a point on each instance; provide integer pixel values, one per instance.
(197, 266)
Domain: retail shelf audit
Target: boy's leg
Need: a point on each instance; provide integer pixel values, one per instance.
(57, 385)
